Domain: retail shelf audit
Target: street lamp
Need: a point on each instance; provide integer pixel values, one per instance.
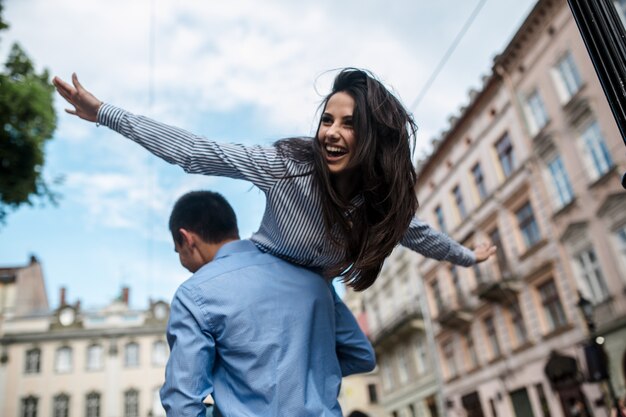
(597, 363)
(586, 307)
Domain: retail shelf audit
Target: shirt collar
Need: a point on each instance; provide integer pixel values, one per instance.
(237, 246)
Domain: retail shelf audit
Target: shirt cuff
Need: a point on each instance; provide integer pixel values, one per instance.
(462, 257)
(110, 116)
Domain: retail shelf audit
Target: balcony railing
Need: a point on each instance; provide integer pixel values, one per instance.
(455, 312)
(405, 319)
(500, 287)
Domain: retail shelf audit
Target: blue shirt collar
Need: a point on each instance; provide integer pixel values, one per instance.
(237, 246)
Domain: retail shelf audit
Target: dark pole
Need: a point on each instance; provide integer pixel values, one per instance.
(605, 38)
(596, 354)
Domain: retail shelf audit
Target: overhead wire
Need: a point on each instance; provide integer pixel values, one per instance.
(455, 42)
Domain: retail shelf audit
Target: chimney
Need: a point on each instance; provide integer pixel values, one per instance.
(125, 292)
(62, 301)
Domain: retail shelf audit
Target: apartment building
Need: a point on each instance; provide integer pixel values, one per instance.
(397, 330)
(22, 289)
(532, 163)
(106, 362)
(360, 392)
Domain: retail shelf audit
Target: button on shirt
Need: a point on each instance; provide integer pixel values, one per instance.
(262, 336)
(292, 226)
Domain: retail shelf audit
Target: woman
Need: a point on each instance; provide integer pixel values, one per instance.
(339, 202)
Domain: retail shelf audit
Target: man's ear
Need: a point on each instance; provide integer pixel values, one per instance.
(189, 238)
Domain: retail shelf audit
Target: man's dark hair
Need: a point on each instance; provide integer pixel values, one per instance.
(205, 213)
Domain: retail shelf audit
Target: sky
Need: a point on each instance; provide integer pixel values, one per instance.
(239, 71)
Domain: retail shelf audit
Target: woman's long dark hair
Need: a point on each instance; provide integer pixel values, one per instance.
(384, 132)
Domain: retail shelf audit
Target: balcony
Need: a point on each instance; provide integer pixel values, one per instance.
(455, 313)
(497, 288)
(406, 319)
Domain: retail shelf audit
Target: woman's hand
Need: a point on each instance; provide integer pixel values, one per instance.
(85, 104)
(483, 251)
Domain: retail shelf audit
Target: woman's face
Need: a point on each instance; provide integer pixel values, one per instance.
(336, 133)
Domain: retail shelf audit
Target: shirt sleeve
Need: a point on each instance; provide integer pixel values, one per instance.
(263, 166)
(354, 351)
(425, 240)
(188, 374)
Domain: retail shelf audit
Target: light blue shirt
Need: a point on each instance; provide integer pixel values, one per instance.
(262, 336)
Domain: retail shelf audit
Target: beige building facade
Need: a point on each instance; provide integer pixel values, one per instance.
(396, 327)
(107, 362)
(532, 163)
(360, 392)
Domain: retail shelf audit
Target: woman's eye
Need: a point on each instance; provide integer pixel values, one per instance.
(327, 120)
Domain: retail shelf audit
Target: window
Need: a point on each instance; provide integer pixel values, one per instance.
(560, 181)
(131, 403)
(387, 372)
(536, 112)
(519, 327)
(448, 354)
(492, 336)
(528, 225)
(504, 148)
(620, 237)
(596, 153)
(552, 307)
(458, 199)
(92, 405)
(61, 406)
(543, 401)
(33, 361)
(131, 355)
(63, 360)
(434, 286)
(471, 350)
(503, 263)
(420, 356)
(372, 393)
(440, 219)
(566, 77)
(29, 406)
(592, 279)
(479, 181)
(94, 357)
(403, 366)
(159, 353)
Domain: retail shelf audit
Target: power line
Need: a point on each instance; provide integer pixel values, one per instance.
(447, 55)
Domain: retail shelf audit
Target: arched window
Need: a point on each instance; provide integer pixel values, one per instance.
(92, 404)
(131, 403)
(63, 360)
(61, 406)
(33, 361)
(94, 357)
(131, 355)
(29, 406)
(159, 353)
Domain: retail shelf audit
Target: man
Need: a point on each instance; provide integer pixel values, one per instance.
(262, 336)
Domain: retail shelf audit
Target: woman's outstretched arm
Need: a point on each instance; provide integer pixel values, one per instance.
(262, 166)
(423, 239)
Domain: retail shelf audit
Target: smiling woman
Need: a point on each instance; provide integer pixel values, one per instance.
(338, 203)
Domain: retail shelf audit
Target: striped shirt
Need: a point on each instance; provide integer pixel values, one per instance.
(292, 227)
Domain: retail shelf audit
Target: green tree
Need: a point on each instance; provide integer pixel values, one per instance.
(27, 122)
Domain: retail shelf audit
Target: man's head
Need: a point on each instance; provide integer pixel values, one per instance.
(200, 223)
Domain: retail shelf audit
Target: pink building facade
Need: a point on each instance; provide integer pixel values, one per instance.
(533, 163)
